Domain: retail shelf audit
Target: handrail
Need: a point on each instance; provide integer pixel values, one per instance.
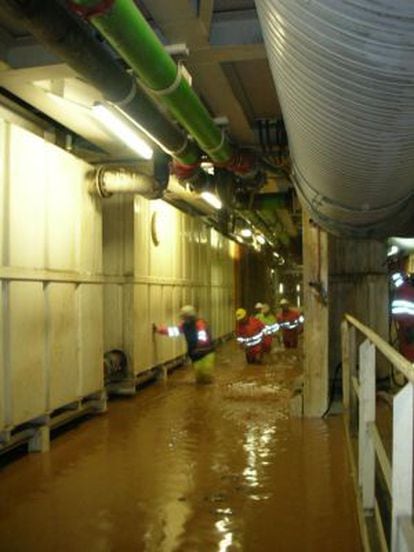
(401, 363)
(359, 401)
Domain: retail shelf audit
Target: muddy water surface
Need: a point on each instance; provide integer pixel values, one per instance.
(187, 468)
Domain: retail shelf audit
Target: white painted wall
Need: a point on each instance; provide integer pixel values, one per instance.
(191, 264)
(51, 320)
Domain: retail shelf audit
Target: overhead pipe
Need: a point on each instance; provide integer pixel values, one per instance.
(344, 73)
(67, 38)
(112, 180)
(126, 29)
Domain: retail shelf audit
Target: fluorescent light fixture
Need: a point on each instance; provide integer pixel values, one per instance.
(122, 131)
(394, 249)
(281, 288)
(246, 233)
(298, 287)
(207, 167)
(276, 254)
(212, 200)
(261, 239)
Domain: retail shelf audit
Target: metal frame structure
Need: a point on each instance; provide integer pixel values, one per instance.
(359, 400)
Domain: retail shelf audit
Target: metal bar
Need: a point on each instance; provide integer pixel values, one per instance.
(8, 274)
(354, 397)
(346, 376)
(402, 460)
(380, 529)
(355, 386)
(381, 455)
(406, 532)
(366, 451)
(401, 363)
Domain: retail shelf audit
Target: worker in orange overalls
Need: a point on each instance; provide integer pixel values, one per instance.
(250, 333)
(290, 321)
(402, 305)
(199, 342)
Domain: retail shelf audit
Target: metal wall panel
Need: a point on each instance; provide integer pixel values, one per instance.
(90, 315)
(177, 260)
(51, 320)
(27, 189)
(63, 369)
(26, 380)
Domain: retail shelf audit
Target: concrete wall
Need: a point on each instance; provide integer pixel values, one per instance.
(51, 317)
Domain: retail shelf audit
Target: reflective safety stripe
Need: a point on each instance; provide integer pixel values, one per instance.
(251, 341)
(202, 335)
(292, 325)
(397, 279)
(271, 329)
(401, 306)
(173, 331)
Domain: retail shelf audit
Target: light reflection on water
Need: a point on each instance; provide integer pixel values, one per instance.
(181, 468)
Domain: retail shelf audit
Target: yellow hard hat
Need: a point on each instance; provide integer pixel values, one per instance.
(240, 314)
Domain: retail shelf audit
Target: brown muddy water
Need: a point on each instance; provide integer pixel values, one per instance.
(190, 468)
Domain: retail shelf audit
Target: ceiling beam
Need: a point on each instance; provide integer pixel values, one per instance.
(42, 72)
(227, 54)
(236, 27)
(206, 13)
(179, 22)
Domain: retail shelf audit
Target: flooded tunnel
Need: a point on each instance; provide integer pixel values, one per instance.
(207, 276)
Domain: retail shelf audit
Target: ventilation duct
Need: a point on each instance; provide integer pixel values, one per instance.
(344, 73)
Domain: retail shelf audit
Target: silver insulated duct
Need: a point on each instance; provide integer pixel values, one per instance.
(344, 73)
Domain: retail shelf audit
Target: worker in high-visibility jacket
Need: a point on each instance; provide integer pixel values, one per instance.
(291, 323)
(250, 333)
(199, 342)
(267, 318)
(402, 310)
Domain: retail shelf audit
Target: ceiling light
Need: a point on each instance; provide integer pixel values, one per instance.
(212, 200)
(246, 233)
(121, 130)
(276, 254)
(261, 239)
(207, 167)
(393, 250)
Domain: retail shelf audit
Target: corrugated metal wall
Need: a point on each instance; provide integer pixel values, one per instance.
(173, 259)
(51, 321)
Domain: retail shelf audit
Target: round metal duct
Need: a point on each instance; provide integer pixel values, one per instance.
(344, 73)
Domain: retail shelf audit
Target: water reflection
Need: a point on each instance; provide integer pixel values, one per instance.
(185, 469)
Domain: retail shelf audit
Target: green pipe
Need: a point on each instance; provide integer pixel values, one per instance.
(127, 31)
(62, 34)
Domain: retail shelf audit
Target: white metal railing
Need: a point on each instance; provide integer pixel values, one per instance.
(359, 394)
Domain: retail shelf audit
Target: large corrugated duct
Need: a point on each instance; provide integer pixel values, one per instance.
(344, 73)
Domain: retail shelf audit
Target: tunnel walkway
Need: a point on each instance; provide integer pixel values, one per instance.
(181, 467)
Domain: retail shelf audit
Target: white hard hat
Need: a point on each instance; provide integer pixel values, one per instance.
(258, 305)
(284, 302)
(188, 310)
